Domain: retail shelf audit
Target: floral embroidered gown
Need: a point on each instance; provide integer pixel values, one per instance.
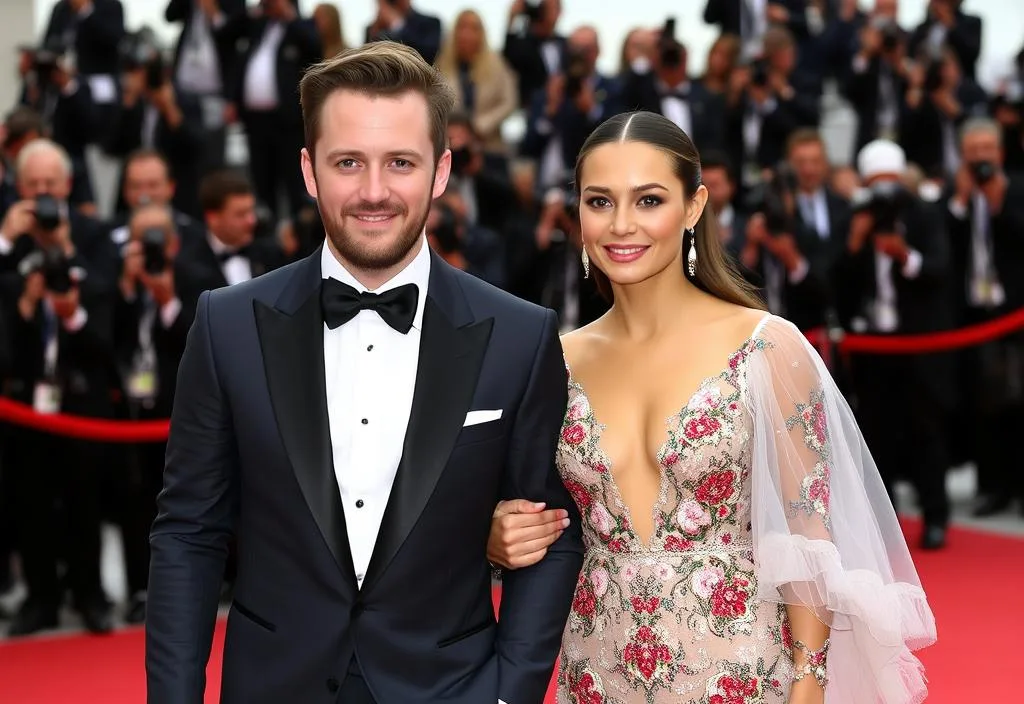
(746, 521)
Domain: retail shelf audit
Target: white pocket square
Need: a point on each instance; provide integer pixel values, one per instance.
(478, 417)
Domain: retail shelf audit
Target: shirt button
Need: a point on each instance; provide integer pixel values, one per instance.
(359, 503)
(333, 685)
(369, 348)
(364, 421)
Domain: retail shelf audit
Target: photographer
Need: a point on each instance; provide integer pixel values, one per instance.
(893, 281)
(151, 322)
(773, 253)
(92, 30)
(661, 84)
(774, 107)
(948, 25)
(42, 220)
(65, 108)
(152, 114)
(986, 219)
(939, 99)
(562, 116)
(62, 341)
(480, 186)
(532, 47)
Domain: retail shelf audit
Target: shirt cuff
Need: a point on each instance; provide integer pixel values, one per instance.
(6, 246)
(912, 267)
(800, 272)
(169, 312)
(77, 321)
(957, 210)
(860, 64)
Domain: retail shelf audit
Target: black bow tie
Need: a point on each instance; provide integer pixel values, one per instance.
(340, 303)
(231, 254)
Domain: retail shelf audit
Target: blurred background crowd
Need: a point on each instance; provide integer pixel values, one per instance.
(905, 216)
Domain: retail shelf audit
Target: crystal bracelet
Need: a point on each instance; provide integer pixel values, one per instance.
(814, 664)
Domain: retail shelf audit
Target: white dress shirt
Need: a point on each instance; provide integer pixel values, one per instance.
(370, 373)
(236, 269)
(260, 86)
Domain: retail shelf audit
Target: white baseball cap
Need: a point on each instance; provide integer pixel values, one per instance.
(881, 157)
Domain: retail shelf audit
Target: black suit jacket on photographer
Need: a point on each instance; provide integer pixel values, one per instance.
(419, 31)
(201, 270)
(1006, 235)
(181, 146)
(860, 84)
(707, 110)
(922, 302)
(70, 115)
(783, 118)
(182, 11)
(168, 341)
(299, 49)
(494, 193)
(924, 136)
(97, 35)
(525, 54)
(964, 38)
(569, 124)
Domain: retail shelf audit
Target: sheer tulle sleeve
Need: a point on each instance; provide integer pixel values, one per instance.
(825, 534)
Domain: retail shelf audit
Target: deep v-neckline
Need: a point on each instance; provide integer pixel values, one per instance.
(599, 428)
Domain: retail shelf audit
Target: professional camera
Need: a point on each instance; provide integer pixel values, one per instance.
(983, 171)
(759, 73)
(48, 213)
(54, 265)
(886, 201)
(142, 50)
(933, 75)
(771, 199)
(670, 51)
(577, 68)
(45, 59)
(154, 250)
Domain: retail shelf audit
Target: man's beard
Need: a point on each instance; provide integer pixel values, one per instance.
(373, 258)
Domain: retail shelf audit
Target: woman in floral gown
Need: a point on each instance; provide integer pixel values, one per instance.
(740, 544)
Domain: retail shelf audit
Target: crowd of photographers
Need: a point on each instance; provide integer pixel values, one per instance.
(95, 301)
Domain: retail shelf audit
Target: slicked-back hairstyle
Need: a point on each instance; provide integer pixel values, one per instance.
(379, 69)
(716, 272)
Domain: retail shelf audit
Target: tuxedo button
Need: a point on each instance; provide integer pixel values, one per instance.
(357, 608)
(369, 348)
(364, 421)
(359, 503)
(332, 685)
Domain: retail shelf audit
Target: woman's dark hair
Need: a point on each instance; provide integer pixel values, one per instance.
(716, 273)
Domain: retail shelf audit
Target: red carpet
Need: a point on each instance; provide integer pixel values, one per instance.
(972, 586)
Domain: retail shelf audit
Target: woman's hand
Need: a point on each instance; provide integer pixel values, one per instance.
(522, 531)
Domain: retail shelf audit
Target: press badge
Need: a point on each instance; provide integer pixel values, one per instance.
(142, 385)
(46, 398)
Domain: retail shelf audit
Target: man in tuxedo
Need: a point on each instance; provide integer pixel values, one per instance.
(396, 20)
(353, 418)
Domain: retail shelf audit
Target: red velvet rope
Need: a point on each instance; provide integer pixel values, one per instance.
(156, 430)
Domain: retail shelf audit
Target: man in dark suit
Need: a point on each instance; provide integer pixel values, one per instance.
(948, 25)
(57, 268)
(893, 279)
(275, 45)
(986, 219)
(532, 47)
(397, 21)
(358, 442)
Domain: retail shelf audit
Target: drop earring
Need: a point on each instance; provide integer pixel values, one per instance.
(691, 258)
(586, 264)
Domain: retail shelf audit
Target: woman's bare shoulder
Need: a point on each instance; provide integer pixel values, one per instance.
(579, 344)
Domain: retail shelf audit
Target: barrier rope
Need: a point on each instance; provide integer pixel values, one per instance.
(156, 430)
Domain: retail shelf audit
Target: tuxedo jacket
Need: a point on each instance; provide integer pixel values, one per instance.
(249, 455)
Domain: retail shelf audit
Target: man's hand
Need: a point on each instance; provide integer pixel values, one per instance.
(132, 269)
(133, 86)
(19, 220)
(586, 100)
(31, 294)
(777, 14)
(555, 91)
(160, 286)
(995, 193)
(784, 248)
(944, 100)
(65, 305)
(893, 246)
(861, 225)
(522, 531)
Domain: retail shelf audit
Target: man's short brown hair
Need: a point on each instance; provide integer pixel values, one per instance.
(218, 186)
(802, 136)
(385, 69)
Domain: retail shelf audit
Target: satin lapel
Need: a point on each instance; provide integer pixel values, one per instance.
(291, 337)
(446, 378)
